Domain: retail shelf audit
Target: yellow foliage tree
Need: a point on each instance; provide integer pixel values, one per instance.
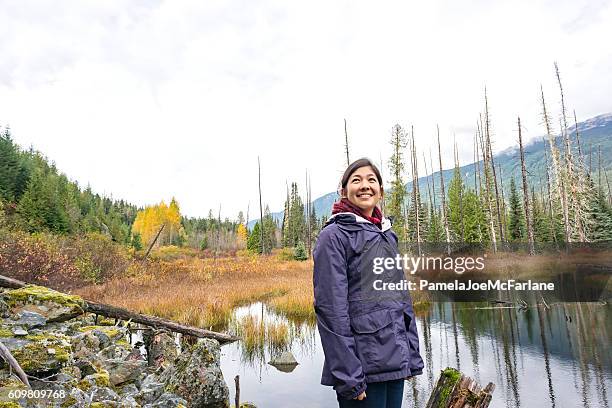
(149, 221)
(241, 233)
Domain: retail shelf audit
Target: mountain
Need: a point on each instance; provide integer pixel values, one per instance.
(593, 133)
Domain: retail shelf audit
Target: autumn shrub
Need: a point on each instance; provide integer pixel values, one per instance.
(36, 258)
(96, 256)
(62, 262)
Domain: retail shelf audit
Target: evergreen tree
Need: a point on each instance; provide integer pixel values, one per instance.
(286, 235)
(541, 221)
(435, 231)
(474, 222)
(456, 205)
(269, 230)
(394, 201)
(601, 213)
(300, 252)
(297, 226)
(516, 222)
(254, 241)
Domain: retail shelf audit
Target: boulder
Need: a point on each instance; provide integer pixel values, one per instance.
(39, 353)
(52, 305)
(123, 371)
(168, 400)
(196, 376)
(162, 350)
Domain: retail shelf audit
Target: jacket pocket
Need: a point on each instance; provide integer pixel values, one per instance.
(376, 342)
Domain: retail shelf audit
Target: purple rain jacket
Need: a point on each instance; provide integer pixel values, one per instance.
(367, 335)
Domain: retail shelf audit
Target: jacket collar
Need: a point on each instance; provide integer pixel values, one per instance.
(385, 222)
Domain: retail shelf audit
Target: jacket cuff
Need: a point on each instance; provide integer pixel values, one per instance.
(417, 372)
(354, 392)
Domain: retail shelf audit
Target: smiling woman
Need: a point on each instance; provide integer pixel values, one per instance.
(370, 344)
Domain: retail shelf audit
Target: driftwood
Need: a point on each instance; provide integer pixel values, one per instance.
(8, 357)
(147, 320)
(455, 390)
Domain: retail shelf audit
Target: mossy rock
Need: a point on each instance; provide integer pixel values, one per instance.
(53, 305)
(49, 352)
(113, 332)
(100, 379)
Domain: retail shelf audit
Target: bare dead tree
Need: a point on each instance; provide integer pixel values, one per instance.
(415, 191)
(525, 191)
(492, 161)
(575, 198)
(560, 186)
(551, 210)
(487, 173)
(433, 180)
(346, 144)
(443, 194)
(261, 220)
(456, 156)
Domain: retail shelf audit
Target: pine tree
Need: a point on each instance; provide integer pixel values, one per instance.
(394, 204)
(435, 230)
(269, 227)
(516, 223)
(474, 222)
(300, 252)
(254, 241)
(601, 213)
(456, 191)
(541, 221)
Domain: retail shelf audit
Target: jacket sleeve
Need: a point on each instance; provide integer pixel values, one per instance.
(416, 362)
(331, 309)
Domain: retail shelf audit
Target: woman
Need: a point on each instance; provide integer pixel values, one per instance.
(369, 337)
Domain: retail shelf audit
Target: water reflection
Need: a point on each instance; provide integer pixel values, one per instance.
(557, 357)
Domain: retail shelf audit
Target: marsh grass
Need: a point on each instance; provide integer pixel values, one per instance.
(203, 291)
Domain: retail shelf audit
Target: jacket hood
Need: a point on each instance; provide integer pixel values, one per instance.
(352, 218)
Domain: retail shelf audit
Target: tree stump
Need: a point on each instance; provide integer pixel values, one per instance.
(455, 390)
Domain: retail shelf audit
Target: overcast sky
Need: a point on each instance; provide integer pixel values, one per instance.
(146, 100)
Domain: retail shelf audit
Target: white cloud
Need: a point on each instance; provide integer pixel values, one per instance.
(148, 100)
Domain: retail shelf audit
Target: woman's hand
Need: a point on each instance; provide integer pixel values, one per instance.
(360, 396)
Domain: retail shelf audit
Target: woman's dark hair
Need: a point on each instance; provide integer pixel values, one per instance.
(357, 164)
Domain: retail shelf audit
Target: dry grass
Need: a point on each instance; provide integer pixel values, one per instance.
(203, 291)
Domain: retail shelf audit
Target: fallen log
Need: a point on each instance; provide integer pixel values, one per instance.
(147, 320)
(455, 390)
(5, 353)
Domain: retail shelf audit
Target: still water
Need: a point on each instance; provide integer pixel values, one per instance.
(536, 357)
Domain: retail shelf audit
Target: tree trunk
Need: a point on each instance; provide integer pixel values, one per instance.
(124, 314)
(455, 390)
(525, 192)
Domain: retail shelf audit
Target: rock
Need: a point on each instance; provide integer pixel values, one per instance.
(19, 331)
(168, 400)
(195, 375)
(33, 352)
(52, 305)
(162, 349)
(30, 319)
(122, 371)
(114, 351)
(285, 362)
(98, 379)
(99, 394)
(149, 392)
(127, 390)
(285, 358)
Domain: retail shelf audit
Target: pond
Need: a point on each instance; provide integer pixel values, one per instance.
(536, 357)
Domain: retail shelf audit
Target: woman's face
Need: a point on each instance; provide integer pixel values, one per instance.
(363, 189)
